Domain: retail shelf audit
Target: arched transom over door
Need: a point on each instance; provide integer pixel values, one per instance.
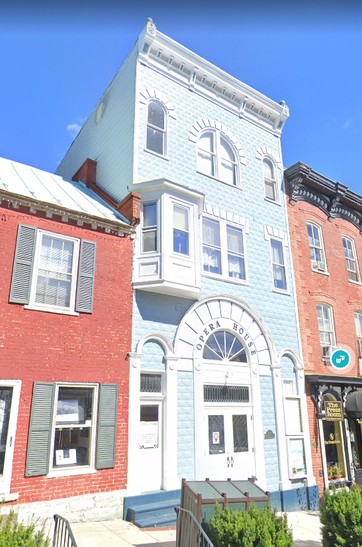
(221, 341)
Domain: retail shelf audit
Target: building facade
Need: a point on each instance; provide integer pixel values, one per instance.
(63, 359)
(325, 226)
(216, 375)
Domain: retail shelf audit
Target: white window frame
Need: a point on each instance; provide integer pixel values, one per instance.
(328, 323)
(151, 228)
(316, 248)
(224, 250)
(185, 230)
(5, 479)
(351, 259)
(161, 130)
(275, 265)
(358, 324)
(33, 304)
(216, 158)
(270, 182)
(75, 469)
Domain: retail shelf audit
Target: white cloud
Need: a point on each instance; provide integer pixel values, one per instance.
(75, 127)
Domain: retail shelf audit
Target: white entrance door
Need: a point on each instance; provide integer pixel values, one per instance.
(150, 446)
(228, 443)
(9, 402)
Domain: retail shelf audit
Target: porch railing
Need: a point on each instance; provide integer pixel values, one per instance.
(188, 531)
(63, 535)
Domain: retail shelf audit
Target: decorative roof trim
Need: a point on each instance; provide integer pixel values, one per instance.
(149, 94)
(333, 198)
(203, 124)
(168, 57)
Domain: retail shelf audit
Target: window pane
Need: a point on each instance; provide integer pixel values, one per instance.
(149, 228)
(240, 433)
(155, 139)
(150, 214)
(206, 154)
(74, 424)
(6, 394)
(226, 151)
(270, 189)
(211, 246)
(351, 260)
(268, 170)
(235, 240)
(326, 329)
(227, 172)
(181, 230)
(216, 435)
(279, 275)
(223, 345)
(211, 232)
(55, 272)
(206, 142)
(236, 263)
(156, 115)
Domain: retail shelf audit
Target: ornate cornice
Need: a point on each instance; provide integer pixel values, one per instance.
(333, 198)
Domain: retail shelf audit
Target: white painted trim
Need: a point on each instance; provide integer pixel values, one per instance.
(5, 479)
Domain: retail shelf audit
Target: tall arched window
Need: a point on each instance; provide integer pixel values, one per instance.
(156, 128)
(270, 183)
(216, 157)
(223, 345)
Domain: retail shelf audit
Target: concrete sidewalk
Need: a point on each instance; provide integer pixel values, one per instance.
(305, 526)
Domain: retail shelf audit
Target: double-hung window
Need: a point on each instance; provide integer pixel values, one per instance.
(351, 259)
(72, 428)
(216, 157)
(278, 264)
(156, 128)
(149, 227)
(223, 249)
(270, 183)
(358, 323)
(181, 230)
(316, 248)
(326, 329)
(53, 272)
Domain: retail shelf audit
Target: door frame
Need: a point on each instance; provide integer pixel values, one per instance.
(5, 479)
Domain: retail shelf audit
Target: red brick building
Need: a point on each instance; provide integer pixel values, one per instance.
(65, 332)
(325, 228)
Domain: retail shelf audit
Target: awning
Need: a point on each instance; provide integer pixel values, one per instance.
(354, 404)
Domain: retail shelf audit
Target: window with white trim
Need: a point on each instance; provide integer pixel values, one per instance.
(316, 247)
(351, 259)
(156, 128)
(72, 428)
(270, 182)
(53, 272)
(149, 227)
(294, 430)
(278, 264)
(216, 157)
(358, 323)
(181, 229)
(327, 336)
(223, 249)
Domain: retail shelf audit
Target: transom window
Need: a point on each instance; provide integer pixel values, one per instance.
(358, 323)
(270, 183)
(326, 329)
(226, 394)
(223, 249)
(156, 128)
(278, 264)
(316, 248)
(149, 227)
(216, 157)
(223, 345)
(351, 259)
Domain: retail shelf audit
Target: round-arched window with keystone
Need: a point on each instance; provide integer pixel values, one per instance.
(223, 345)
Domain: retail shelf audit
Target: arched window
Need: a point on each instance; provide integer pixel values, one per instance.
(270, 183)
(223, 345)
(316, 247)
(216, 157)
(156, 128)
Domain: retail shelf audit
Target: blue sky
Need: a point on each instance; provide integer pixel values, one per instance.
(58, 58)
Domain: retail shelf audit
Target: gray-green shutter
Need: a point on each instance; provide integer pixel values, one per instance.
(41, 417)
(106, 429)
(23, 265)
(85, 286)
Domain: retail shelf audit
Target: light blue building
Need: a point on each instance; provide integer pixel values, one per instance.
(216, 375)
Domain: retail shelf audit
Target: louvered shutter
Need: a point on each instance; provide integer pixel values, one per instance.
(106, 428)
(23, 265)
(85, 286)
(37, 460)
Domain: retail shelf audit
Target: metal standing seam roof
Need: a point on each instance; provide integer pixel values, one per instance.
(30, 182)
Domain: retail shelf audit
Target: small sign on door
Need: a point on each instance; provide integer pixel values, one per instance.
(216, 437)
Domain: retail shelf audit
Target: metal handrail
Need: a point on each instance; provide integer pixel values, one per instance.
(63, 535)
(189, 533)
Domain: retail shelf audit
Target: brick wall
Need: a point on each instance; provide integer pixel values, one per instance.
(41, 346)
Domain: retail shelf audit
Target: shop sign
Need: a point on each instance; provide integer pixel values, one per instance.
(334, 411)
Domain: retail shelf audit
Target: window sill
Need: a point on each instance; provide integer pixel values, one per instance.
(282, 291)
(274, 201)
(156, 154)
(4, 498)
(51, 310)
(322, 272)
(233, 280)
(69, 472)
(359, 283)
